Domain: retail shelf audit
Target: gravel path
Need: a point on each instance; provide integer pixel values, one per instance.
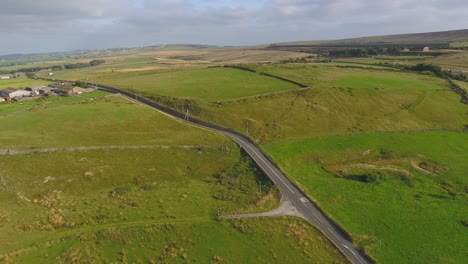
(286, 208)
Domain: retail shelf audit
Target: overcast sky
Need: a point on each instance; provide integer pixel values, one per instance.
(62, 25)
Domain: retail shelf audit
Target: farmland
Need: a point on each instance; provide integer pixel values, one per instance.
(342, 101)
(96, 122)
(21, 83)
(103, 202)
(156, 201)
(382, 151)
(401, 213)
(208, 84)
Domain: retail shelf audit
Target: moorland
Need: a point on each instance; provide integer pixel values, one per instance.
(379, 147)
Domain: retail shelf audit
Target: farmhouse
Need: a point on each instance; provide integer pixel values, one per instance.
(13, 93)
(68, 90)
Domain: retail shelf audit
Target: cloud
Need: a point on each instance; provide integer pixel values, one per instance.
(65, 25)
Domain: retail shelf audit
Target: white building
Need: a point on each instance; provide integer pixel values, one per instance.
(13, 93)
(4, 77)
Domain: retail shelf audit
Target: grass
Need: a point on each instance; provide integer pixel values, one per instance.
(95, 204)
(407, 57)
(405, 216)
(456, 60)
(367, 181)
(136, 205)
(355, 64)
(14, 107)
(209, 242)
(21, 83)
(463, 85)
(382, 60)
(342, 101)
(82, 121)
(86, 188)
(207, 84)
(459, 44)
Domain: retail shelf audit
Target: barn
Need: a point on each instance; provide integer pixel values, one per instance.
(13, 93)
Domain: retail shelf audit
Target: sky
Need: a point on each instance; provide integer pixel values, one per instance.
(29, 26)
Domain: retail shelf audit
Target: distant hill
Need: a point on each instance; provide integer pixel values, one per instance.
(442, 36)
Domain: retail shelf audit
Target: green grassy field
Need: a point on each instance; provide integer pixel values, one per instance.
(401, 196)
(381, 61)
(14, 107)
(342, 101)
(459, 44)
(207, 84)
(356, 64)
(407, 57)
(139, 205)
(96, 122)
(21, 83)
(204, 242)
(456, 60)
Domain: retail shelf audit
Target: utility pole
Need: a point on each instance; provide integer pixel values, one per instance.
(139, 91)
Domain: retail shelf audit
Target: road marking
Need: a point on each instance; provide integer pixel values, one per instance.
(349, 249)
(304, 200)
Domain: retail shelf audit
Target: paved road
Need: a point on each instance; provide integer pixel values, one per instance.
(289, 191)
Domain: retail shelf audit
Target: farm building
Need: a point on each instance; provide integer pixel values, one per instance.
(13, 93)
(19, 74)
(45, 90)
(2, 99)
(69, 90)
(426, 49)
(35, 89)
(4, 77)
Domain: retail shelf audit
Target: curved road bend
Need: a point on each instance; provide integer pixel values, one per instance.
(289, 191)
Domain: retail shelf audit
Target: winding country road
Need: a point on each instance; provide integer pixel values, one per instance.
(289, 191)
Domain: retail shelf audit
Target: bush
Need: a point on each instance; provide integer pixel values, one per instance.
(425, 67)
(96, 62)
(81, 84)
(76, 66)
